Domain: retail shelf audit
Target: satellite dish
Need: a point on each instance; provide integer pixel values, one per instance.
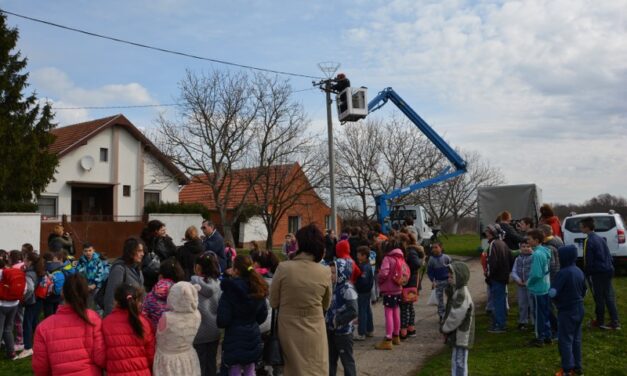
(87, 162)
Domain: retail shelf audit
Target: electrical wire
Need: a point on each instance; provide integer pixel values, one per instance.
(165, 50)
(139, 105)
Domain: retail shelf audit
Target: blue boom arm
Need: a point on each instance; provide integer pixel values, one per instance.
(383, 210)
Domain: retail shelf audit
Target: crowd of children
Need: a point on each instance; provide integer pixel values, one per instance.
(195, 307)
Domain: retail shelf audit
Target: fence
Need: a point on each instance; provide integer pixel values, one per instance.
(107, 237)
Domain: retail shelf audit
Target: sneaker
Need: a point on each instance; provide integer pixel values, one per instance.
(411, 333)
(24, 354)
(536, 343)
(497, 330)
(611, 326)
(370, 334)
(386, 344)
(359, 338)
(396, 340)
(19, 347)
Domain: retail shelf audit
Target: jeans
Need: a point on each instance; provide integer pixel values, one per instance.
(603, 292)
(207, 354)
(341, 347)
(50, 307)
(366, 324)
(440, 287)
(7, 321)
(242, 369)
(543, 325)
(459, 361)
(525, 305)
(31, 318)
(569, 337)
(497, 291)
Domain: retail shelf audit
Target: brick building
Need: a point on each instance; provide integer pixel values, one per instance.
(284, 188)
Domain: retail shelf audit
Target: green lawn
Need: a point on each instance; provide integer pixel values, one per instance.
(461, 245)
(604, 352)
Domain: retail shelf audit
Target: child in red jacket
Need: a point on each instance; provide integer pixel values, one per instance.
(70, 341)
(129, 338)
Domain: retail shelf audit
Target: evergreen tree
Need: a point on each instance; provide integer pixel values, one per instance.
(26, 165)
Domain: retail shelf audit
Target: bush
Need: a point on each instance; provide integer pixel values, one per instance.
(18, 207)
(177, 208)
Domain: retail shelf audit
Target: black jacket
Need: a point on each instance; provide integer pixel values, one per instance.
(512, 237)
(329, 247)
(355, 242)
(414, 262)
(187, 254)
(500, 262)
(240, 316)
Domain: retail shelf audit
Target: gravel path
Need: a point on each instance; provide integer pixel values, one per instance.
(407, 358)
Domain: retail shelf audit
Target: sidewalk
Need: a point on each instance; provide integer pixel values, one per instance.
(407, 358)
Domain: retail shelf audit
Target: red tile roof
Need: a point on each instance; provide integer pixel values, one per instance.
(239, 180)
(73, 136)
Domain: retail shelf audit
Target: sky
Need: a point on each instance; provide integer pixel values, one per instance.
(538, 88)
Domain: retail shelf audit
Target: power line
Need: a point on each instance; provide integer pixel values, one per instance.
(139, 105)
(136, 44)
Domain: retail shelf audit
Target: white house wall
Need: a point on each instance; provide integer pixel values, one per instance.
(128, 169)
(158, 179)
(253, 229)
(19, 228)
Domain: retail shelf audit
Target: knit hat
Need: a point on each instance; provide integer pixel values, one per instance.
(496, 231)
(183, 297)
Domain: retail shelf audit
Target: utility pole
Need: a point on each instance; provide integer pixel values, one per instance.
(329, 69)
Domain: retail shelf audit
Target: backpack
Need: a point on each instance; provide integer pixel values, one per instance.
(401, 272)
(44, 286)
(13, 284)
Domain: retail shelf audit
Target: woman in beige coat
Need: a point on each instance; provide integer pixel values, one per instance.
(301, 290)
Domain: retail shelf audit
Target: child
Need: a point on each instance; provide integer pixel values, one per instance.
(242, 308)
(230, 253)
(414, 255)
(568, 291)
(16, 260)
(56, 267)
(343, 251)
(170, 272)
(437, 270)
(338, 318)
(129, 340)
(9, 301)
(35, 271)
(520, 274)
(176, 330)
(207, 339)
(289, 246)
(458, 323)
(364, 289)
(391, 292)
(94, 269)
(538, 285)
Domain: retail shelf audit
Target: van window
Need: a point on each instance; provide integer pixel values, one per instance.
(601, 224)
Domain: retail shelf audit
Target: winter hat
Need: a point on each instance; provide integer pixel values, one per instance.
(342, 249)
(183, 297)
(496, 231)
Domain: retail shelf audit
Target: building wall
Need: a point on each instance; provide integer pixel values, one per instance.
(177, 224)
(19, 228)
(130, 163)
(310, 211)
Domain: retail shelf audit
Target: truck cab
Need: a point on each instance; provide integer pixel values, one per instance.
(418, 214)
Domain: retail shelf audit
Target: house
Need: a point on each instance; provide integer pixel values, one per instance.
(108, 170)
(304, 208)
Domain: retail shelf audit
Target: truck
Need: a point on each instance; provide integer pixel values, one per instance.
(521, 200)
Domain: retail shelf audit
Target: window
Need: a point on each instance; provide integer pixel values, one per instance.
(47, 206)
(601, 224)
(152, 197)
(293, 224)
(126, 190)
(104, 155)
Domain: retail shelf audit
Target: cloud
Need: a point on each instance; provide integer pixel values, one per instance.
(533, 84)
(55, 86)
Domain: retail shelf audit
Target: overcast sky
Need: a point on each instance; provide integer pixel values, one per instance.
(537, 87)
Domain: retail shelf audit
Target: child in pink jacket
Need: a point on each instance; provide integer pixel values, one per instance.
(70, 342)
(391, 292)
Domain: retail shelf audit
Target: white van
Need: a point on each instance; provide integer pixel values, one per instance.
(609, 226)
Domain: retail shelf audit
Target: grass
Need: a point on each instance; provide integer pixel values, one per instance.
(604, 352)
(461, 245)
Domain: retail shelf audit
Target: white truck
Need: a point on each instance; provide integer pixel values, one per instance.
(522, 200)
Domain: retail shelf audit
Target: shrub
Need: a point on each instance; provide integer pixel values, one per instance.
(177, 208)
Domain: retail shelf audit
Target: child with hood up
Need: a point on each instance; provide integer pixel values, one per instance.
(568, 291)
(176, 331)
(242, 308)
(343, 251)
(338, 318)
(458, 324)
(170, 272)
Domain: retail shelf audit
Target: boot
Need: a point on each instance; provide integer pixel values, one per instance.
(396, 340)
(403, 334)
(386, 344)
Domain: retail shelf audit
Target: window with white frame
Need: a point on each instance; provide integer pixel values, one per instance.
(152, 197)
(293, 224)
(47, 206)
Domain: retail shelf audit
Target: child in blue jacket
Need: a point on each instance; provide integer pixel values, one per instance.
(364, 289)
(437, 270)
(568, 291)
